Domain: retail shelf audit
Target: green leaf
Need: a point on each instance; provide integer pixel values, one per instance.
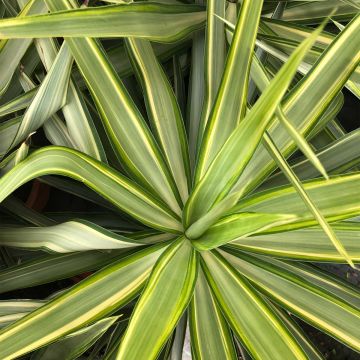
(340, 156)
(313, 12)
(318, 300)
(312, 207)
(54, 267)
(177, 267)
(157, 22)
(210, 335)
(8, 130)
(310, 244)
(230, 162)
(76, 343)
(196, 91)
(19, 103)
(230, 103)
(50, 97)
(91, 299)
(125, 126)
(77, 235)
(164, 112)
(337, 198)
(315, 92)
(240, 225)
(259, 329)
(12, 51)
(104, 180)
(262, 81)
(215, 57)
(297, 332)
(13, 310)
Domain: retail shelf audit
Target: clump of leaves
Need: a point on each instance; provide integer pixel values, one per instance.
(204, 219)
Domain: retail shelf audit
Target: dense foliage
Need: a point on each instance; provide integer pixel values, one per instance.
(216, 176)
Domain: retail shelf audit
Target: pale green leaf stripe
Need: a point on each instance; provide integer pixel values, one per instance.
(215, 57)
(94, 297)
(19, 103)
(55, 267)
(339, 156)
(311, 206)
(75, 344)
(157, 22)
(12, 51)
(230, 162)
(50, 97)
(127, 130)
(70, 236)
(230, 103)
(240, 225)
(262, 80)
(260, 330)
(8, 307)
(178, 267)
(312, 299)
(163, 111)
(315, 92)
(107, 182)
(337, 198)
(210, 334)
(305, 244)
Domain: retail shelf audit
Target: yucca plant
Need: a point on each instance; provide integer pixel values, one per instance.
(207, 136)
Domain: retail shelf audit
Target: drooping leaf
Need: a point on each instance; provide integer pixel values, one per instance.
(91, 299)
(107, 182)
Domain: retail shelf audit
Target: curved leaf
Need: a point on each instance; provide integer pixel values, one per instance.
(107, 182)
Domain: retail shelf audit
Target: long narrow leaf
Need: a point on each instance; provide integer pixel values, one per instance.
(178, 267)
(158, 22)
(96, 296)
(107, 182)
